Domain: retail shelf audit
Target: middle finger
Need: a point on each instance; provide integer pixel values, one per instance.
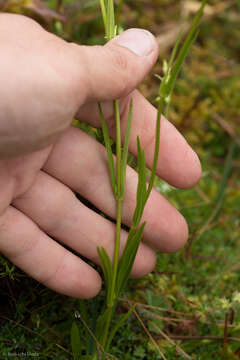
(80, 162)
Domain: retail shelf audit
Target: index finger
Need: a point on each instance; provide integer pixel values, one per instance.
(178, 164)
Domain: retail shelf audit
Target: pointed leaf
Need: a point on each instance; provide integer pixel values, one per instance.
(104, 13)
(128, 257)
(76, 342)
(102, 319)
(141, 188)
(107, 270)
(110, 20)
(118, 325)
(176, 47)
(125, 148)
(108, 146)
(186, 46)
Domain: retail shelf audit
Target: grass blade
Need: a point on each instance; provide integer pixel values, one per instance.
(175, 48)
(141, 188)
(104, 13)
(170, 90)
(119, 324)
(76, 342)
(125, 148)
(110, 20)
(186, 46)
(128, 257)
(108, 146)
(156, 150)
(107, 270)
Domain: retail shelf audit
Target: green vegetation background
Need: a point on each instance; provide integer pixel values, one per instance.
(193, 296)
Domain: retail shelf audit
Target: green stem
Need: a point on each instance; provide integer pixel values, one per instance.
(119, 221)
(118, 11)
(118, 146)
(117, 247)
(107, 325)
(118, 197)
(115, 270)
(156, 151)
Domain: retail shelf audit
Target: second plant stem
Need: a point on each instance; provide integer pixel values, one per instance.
(119, 199)
(119, 196)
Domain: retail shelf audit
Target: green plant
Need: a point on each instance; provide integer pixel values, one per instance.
(116, 273)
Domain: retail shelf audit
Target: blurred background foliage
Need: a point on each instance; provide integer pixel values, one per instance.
(190, 305)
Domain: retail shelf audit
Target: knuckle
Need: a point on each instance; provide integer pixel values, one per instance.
(119, 60)
(179, 234)
(124, 72)
(51, 276)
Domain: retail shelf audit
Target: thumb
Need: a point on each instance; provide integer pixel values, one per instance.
(114, 70)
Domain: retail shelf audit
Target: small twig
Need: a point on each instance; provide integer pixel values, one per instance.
(59, 5)
(164, 318)
(231, 319)
(225, 343)
(166, 337)
(140, 305)
(226, 126)
(188, 248)
(62, 348)
(211, 338)
(202, 194)
(148, 334)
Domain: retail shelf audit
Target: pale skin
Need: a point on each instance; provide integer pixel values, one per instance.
(44, 161)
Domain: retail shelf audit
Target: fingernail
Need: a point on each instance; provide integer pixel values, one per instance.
(139, 41)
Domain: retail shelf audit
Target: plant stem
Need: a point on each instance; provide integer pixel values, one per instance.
(107, 325)
(118, 197)
(117, 247)
(118, 146)
(156, 151)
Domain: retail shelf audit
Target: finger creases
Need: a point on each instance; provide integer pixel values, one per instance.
(114, 70)
(178, 164)
(44, 259)
(86, 172)
(57, 211)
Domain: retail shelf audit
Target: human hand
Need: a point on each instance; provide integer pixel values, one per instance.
(44, 160)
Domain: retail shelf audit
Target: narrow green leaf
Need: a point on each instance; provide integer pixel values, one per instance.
(125, 148)
(140, 184)
(107, 269)
(156, 149)
(143, 175)
(108, 146)
(186, 46)
(175, 48)
(141, 188)
(83, 309)
(128, 257)
(110, 20)
(118, 148)
(104, 14)
(76, 342)
(118, 325)
(102, 319)
(119, 8)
